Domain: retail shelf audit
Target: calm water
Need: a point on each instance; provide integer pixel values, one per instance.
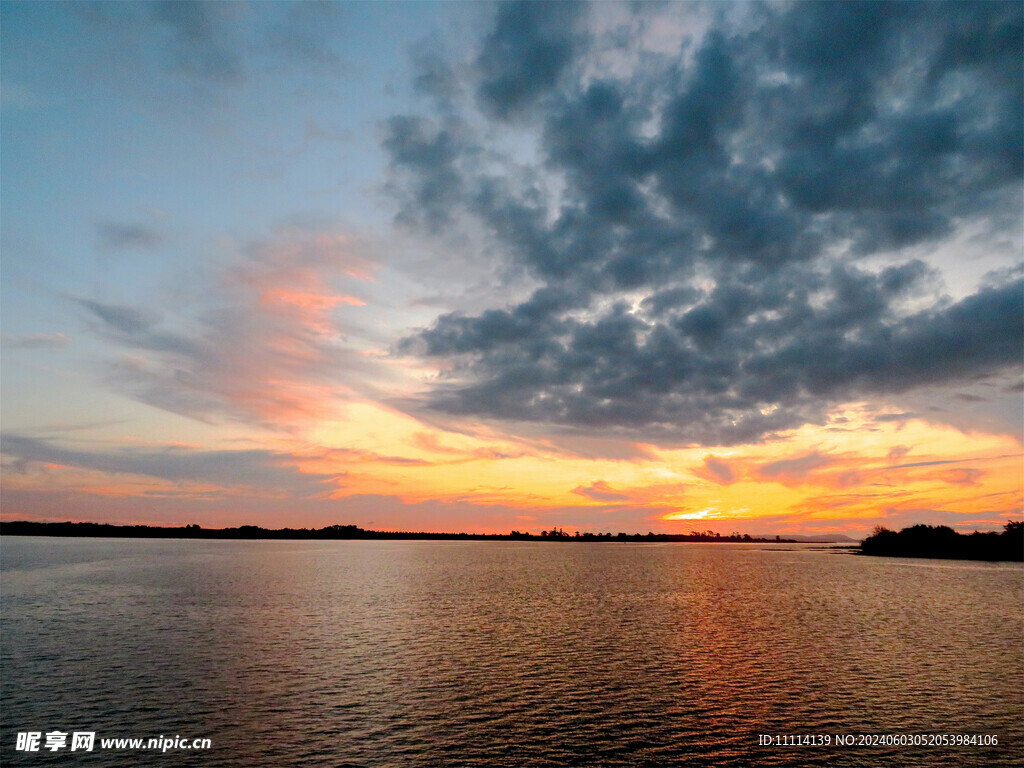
(504, 654)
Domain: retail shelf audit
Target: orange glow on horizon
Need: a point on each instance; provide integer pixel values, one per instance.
(850, 474)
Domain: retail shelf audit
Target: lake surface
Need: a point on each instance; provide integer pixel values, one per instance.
(429, 653)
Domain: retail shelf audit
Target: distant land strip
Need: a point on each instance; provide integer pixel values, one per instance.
(943, 542)
(331, 532)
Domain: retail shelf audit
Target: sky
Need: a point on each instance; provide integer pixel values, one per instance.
(479, 267)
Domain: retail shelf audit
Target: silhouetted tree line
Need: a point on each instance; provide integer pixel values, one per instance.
(557, 534)
(26, 528)
(941, 541)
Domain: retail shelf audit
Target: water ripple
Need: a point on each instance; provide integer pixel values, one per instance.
(504, 654)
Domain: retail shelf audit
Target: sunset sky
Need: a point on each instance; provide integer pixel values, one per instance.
(472, 267)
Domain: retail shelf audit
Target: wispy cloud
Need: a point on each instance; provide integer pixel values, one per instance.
(256, 469)
(896, 453)
(716, 470)
(225, 45)
(794, 470)
(45, 341)
(599, 490)
(199, 38)
(125, 236)
(962, 476)
(263, 344)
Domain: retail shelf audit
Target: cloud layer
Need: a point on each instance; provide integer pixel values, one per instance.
(254, 469)
(264, 348)
(716, 232)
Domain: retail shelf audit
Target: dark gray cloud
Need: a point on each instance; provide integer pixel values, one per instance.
(737, 365)
(255, 469)
(435, 76)
(698, 223)
(433, 155)
(307, 31)
(135, 327)
(120, 318)
(121, 236)
(200, 43)
(216, 44)
(524, 54)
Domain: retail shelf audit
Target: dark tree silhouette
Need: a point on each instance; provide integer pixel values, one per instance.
(941, 541)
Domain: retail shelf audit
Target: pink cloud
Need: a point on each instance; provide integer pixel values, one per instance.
(265, 347)
(599, 490)
(897, 453)
(716, 470)
(794, 470)
(965, 476)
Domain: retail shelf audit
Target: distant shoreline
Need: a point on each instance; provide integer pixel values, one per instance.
(352, 532)
(943, 543)
(919, 541)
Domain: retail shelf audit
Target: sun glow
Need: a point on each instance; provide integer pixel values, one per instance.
(855, 468)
